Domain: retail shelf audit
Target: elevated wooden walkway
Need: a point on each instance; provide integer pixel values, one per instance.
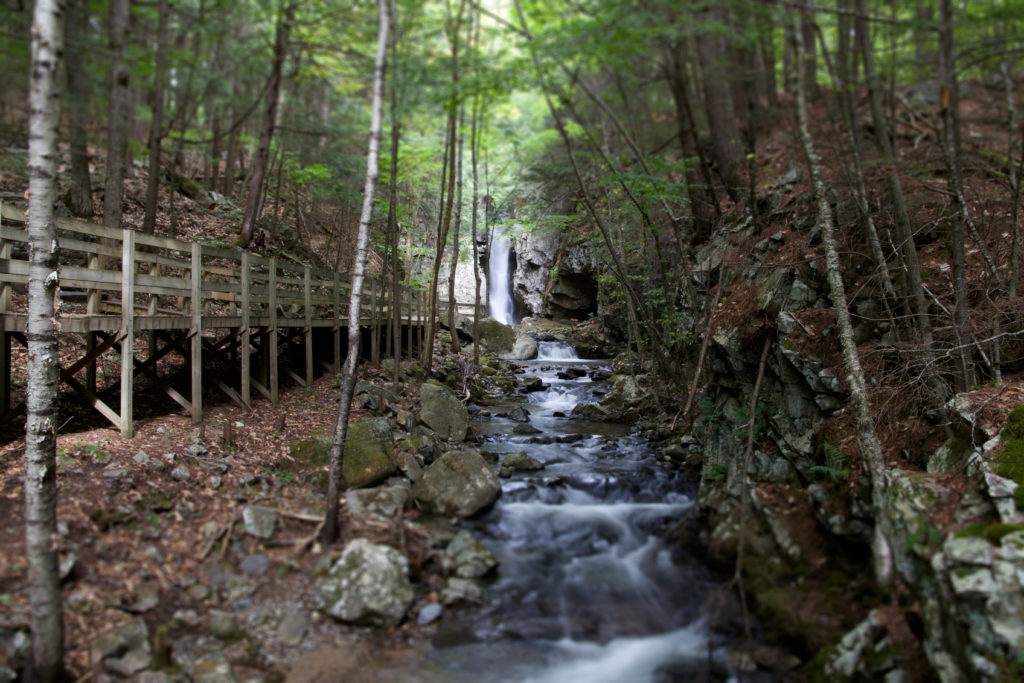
(217, 308)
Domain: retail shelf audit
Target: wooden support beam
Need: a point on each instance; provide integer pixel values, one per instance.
(272, 309)
(5, 369)
(196, 360)
(336, 295)
(127, 330)
(308, 291)
(374, 325)
(244, 342)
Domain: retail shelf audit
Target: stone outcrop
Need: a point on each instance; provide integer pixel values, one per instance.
(535, 255)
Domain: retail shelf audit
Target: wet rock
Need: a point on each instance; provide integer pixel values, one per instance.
(532, 383)
(459, 483)
(525, 429)
(467, 557)
(387, 501)
(460, 591)
(369, 452)
(572, 373)
(517, 414)
(259, 521)
(522, 462)
(368, 585)
(590, 412)
(525, 348)
(443, 412)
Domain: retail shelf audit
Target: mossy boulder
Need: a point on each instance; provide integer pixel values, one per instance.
(443, 412)
(369, 452)
(498, 337)
(459, 483)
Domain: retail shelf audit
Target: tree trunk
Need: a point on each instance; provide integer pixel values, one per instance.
(871, 448)
(904, 232)
(120, 114)
(80, 192)
(42, 369)
(348, 376)
(725, 135)
(950, 108)
(258, 172)
(455, 237)
(396, 261)
(155, 127)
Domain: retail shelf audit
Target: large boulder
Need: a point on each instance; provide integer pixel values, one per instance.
(496, 336)
(443, 412)
(369, 452)
(525, 348)
(458, 483)
(368, 585)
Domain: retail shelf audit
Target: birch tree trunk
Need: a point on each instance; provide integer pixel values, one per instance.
(42, 370)
(348, 377)
(871, 448)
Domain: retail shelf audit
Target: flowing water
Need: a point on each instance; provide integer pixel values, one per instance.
(587, 590)
(499, 278)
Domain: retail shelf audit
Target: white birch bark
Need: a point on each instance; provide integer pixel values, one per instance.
(42, 370)
(871, 448)
(348, 376)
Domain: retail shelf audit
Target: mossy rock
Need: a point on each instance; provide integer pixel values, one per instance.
(498, 337)
(369, 452)
(310, 453)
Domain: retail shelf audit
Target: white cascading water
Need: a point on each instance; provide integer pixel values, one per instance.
(556, 351)
(499, 278)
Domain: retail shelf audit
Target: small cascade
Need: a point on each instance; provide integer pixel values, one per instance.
(556, 351)
(499, 278)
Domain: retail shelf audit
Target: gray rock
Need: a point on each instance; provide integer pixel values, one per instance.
(141, 458)
(525, 348)
(522, 462)
(259, 521)
(518, 414)
(254, 564)
(146, 597)
(428, 614)
(212, 667)
(532, 383)
(115, 472)
(293, 626)
(388, 501)
(458, 483)
(459, 591)
(132, 636)
(525, 428)
(129, 664)
(467, 557)
(222, 624)
(181, 473)
(443, 412)
(369, 452)
(368, 585)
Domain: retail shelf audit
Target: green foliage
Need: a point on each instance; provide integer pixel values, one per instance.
(834, 468)
(718, 472)
(992, 532)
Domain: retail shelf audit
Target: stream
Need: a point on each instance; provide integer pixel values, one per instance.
(587, 589)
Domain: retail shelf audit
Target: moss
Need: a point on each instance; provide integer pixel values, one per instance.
(1011, 457)
(992, 532)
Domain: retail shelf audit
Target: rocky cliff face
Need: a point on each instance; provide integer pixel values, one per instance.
(957, 535)
(554, 276)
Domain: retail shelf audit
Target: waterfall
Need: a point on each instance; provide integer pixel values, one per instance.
(499, 278)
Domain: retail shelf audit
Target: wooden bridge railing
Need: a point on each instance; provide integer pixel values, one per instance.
(173, 285)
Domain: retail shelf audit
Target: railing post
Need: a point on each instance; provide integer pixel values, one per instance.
(374, 325)
(337, 323)
(197, 333)
(246, 331)
(127, 329)
(272, 305)
(308, 292)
